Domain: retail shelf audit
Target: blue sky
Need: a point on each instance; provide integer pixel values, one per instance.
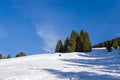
(34, 26)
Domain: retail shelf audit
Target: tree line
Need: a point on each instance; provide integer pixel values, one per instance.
(9, 56)
(75, 43)
(104, 43)
(109, 44)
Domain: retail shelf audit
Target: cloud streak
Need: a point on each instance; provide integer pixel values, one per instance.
(49, 35)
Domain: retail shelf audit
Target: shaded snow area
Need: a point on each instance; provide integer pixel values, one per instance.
(96, 65)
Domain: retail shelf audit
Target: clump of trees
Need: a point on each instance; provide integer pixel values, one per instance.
(75, 43)
(8, 56)
(21, 54)
(109, 45)
(115, 43)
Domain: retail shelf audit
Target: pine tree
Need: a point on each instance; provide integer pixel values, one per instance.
(66, 47)
(77, 43)
(80, 41)
(87, 44)
(1, 56)
(8, 56)
(65, 44)
(59, 46)
(73, 41)
(108, 46)
(20, 54)
(83, 42)
(69, 45)
(115, 44)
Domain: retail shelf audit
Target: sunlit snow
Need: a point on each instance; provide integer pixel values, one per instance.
(96, 65)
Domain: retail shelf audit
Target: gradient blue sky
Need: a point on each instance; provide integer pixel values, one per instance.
(34, 26)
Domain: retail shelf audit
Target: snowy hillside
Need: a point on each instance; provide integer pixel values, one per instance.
(96, 65)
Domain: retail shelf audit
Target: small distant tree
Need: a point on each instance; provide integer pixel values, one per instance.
(108, 46)
(21, 54)
(59, 46)
(8, 56)
(1, 56)
(115, 44)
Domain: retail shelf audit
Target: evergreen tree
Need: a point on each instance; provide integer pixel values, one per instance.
(69, 46)
(59, 46)
(73, 41)
(108, 46)
(20, 54)
(8, 56)
(80, 41)
(87, 44)
(66, 47)
(103, 44)
(83, 42)
(115, 44)
(1, 56)
(77, 43)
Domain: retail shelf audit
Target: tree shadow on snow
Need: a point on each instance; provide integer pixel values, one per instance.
(79, 75)
(107, 63)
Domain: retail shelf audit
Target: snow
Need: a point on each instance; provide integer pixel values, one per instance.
(95, 65)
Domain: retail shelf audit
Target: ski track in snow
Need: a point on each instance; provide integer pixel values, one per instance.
(96, 65)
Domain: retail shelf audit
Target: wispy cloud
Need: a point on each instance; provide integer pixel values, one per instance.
(49, 35)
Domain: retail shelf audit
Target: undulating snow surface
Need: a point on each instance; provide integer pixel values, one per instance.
(96, 65)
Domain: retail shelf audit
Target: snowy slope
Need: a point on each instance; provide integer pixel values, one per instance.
(96, 65)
